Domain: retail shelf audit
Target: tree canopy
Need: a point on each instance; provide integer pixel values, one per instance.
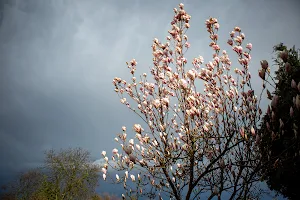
(66, 174)
(192, 141)
(280, 144)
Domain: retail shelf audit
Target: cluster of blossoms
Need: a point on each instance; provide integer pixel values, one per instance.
(191, 140)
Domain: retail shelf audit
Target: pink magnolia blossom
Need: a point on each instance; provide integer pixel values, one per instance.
(166, 101)
(293, 84)
(131, 142)
(156, 103)
(215, 47)
(217, 26)
(274, 101)
(191, 74)
(262, 74)
(252, 131)
(123, 100)
(288, 67)
(137, 128)
(106, 159)
(242, 132)
(238, 29)
(297, 102)
(284, 56)
(132, 177)
(115, 151)
(264, 64)
(187, 45)
(205, 128)
(291, 111)
(133, 62)
(183, 83)
(249, 46)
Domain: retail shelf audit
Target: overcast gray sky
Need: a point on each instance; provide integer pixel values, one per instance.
(58, 58)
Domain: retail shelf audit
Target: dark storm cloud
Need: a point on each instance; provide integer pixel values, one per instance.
(58, 58)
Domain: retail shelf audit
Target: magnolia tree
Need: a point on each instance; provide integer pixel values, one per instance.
(192, 141)
(280, 144)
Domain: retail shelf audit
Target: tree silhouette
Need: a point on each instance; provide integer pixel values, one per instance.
(70, 174)
(67, 174)
(27, 184)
